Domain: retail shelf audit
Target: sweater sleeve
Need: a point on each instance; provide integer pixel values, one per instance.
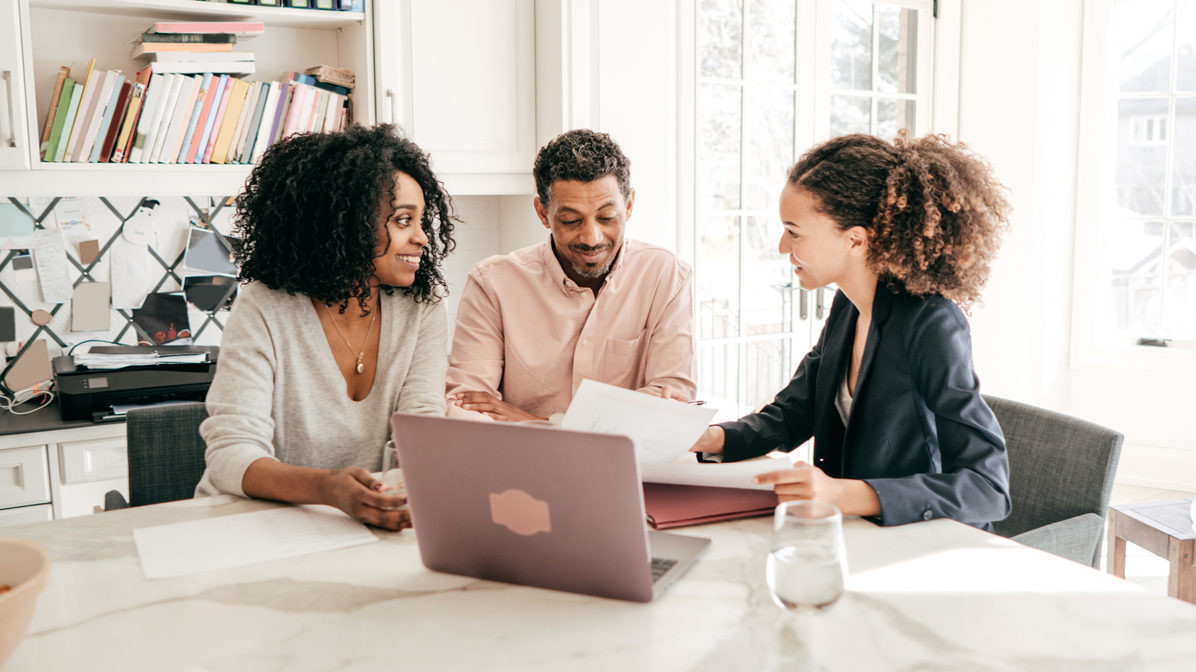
(423, 388)
(240, 425)
(973, 485)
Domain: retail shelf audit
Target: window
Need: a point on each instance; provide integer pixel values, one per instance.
(770, 83)
(1136, 232)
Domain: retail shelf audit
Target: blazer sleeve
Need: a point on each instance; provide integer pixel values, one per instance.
(783, 424)
(973, 483)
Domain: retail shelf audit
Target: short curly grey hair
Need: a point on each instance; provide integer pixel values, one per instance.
(582, 155)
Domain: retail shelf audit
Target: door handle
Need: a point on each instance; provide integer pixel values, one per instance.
(819, 305)
(803, 305)
(12, 117)
(390, 95)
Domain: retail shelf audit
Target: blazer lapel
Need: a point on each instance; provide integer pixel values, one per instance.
(882, 304)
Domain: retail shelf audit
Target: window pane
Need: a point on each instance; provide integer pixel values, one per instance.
(717, 274)
(851, 45)
(766, 299)
(1142, 43)
(1132, 249)
(718, 147)
(1180, 311)
(850, 114)
(1183, 159)
(766, 368)
(1141, 155)
(768, 131)
(897, 42)
(893, 115)
(1185, 57)
(720, 38)
(718, 373)
(770, 53)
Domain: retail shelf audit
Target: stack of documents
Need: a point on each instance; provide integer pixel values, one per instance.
(125, 356)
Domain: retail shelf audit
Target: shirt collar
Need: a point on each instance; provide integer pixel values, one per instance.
(560, 279)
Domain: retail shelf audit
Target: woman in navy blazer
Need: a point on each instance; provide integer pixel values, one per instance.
(906, 231)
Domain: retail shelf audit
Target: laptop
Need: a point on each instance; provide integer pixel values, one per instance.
(536, 506)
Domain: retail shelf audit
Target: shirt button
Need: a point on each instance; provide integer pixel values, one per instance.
(584, 342)
(822, 459)
(927, 515)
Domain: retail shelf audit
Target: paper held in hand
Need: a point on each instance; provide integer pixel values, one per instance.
(662, 429)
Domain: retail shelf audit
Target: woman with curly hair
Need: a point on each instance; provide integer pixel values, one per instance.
(339, 326)
(907, 232)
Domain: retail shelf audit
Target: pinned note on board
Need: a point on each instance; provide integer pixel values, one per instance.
(31, 368)
(89, 307)
(15, 227)
(8, 324)
(89, 251)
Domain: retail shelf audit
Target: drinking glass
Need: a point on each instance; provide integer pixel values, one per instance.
(392, 475)
(808, 563)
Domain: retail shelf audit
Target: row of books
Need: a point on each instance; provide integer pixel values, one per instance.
(179, 118)
(342, 5)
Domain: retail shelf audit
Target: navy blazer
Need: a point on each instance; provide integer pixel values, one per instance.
(918, 433)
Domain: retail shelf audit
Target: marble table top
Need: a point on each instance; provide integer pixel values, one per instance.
(937, 595)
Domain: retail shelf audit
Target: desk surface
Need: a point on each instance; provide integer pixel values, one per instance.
(47, 419)
(934, 595)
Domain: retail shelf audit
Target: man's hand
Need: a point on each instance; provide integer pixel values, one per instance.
(357, 493)
(493, 407)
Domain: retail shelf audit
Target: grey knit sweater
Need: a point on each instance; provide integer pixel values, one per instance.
(278, 392)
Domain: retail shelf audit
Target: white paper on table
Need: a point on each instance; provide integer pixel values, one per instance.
(49, 258)
(717, 475)
(130, 274)
(245, 538)
(662, 429)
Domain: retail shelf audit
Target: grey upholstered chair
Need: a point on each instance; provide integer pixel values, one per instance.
(1061, 475)
(165, 452)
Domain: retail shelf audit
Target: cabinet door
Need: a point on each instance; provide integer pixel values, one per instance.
(463, 89)
(24, 476)
(14, 140)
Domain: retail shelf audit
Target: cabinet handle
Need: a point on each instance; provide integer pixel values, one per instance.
(12, 117)
(803, 304)
(819, 306)
(390, 94)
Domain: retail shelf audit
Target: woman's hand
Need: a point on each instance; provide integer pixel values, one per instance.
(711, 441)
(803, 481)
(357, 493)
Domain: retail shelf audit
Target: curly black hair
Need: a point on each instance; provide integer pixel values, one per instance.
(308, 216)
(934, 211)
(582, 155)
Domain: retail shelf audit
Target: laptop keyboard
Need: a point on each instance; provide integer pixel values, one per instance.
(660, 566)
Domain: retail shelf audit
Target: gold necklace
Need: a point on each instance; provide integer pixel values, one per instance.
(360, 368)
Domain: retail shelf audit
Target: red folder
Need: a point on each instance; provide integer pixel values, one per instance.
(670, 505)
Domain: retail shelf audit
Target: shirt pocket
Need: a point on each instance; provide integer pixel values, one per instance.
(621, 363)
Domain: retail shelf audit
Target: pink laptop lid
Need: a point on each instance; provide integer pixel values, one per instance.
(524, 504)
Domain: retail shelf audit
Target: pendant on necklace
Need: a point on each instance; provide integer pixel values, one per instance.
(360, 366)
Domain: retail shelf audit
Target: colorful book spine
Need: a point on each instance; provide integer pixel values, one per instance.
(247, 108)
(68, 88)
(105, 121)
(188, 38)
(275, 104)
(208, 145)
(72, 112)
(124, 139)
(203, 100)
(88, 94)
(232, 120)
(87, 139)
(63, 73)
(189, 98)
(199, 143)
(111, 129)
(158, 134)
(148, 117)
(234, 27)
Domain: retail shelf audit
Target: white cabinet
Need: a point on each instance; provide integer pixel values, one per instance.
(68, 471)
(24, 476)
(460, 78)
(53, 33)
(14, 141)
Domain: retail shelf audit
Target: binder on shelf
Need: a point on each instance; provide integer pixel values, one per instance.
(247, 108)
(94, 136)
(103, 150)
(234, 27)
(105, 120)
(72, 110)
(323, 4)
(203, 100)
(232, 121)
(68, 89)
(63, 73)
(298, 4)
(74, 129)
(157, 137)
(199, 144)
(189, 97)
(148, 118)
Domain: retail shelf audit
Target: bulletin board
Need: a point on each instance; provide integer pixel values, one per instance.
(139, 245)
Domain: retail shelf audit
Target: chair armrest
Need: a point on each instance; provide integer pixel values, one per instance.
(113, 500)
(1074, 538)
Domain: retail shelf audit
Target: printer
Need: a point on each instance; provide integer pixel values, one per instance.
(90, 392)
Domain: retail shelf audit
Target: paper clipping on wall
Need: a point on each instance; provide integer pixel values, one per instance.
(662, 429)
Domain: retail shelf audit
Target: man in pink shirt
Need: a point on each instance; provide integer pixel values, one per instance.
(586, 303)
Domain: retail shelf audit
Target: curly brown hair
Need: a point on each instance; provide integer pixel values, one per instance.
(582, 155)
(934, 212)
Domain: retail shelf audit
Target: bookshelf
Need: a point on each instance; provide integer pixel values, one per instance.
(52, 33)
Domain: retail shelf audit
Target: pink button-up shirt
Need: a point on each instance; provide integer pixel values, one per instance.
(528, 334)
